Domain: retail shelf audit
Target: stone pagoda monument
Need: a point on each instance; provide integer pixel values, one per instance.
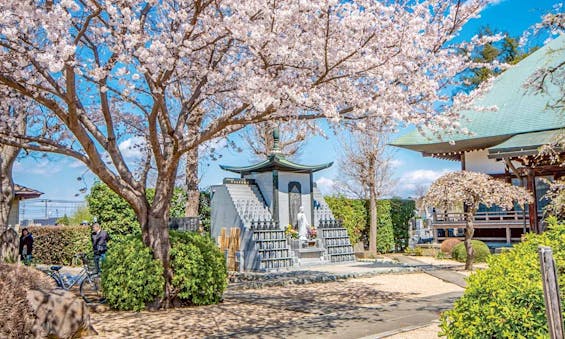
(270, 197)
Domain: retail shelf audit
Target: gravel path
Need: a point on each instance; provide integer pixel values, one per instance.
(324, 307)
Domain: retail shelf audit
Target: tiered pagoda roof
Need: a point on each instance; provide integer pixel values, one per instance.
(276, 161)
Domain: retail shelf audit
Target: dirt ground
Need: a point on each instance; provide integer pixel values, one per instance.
(243, 311)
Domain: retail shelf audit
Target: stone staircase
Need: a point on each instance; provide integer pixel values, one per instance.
(249, 203)
(336, 241)
(264, 242)
(321, 209)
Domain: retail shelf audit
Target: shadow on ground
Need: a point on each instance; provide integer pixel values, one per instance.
(306, 310)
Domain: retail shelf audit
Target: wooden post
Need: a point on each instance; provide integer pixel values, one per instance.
(533, 207)
(508, 234)
(551, 293)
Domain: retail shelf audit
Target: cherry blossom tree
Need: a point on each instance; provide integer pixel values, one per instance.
(472, 189)
(366, 171)
(172, 75)
(16, 112)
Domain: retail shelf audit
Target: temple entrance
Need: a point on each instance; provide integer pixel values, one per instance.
(294, 201)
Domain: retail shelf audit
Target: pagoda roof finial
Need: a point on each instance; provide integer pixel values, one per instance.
(276, 136)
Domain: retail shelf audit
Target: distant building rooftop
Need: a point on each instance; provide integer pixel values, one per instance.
(22, 192)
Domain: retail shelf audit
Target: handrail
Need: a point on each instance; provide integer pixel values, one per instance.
(451, 217)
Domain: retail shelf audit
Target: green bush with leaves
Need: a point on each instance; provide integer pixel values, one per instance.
(116, 215)
(506, 299)
(131, 277)
(385, 232)
(355, 216)
(205, 211)
(481, 250)
(199, 271)
(57, 245)
(401, 211)
(353, 213)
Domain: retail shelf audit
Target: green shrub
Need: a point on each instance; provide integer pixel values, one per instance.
(118, 218)
(506, 299)
(401, 211)
(114, 213)
(385, 232)
(59, 244)
(416, 251)
(199, 271)
(481, 250)
(131, 278)
(353, 213)
(448, 244)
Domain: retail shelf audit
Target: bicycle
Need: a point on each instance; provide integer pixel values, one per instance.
(88, 280)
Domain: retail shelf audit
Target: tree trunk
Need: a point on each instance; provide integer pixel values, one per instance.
(469, 231)
(154, 220)
(156, 236)
(372, 221)
(8, 155)
(9, 240)
(193, 194)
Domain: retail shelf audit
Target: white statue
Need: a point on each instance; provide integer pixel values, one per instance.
(302, 224)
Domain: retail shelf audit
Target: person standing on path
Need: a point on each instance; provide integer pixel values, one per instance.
(26, 246)
(99, 244)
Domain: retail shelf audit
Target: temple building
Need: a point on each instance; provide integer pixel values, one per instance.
(505, 143)
(268, 202)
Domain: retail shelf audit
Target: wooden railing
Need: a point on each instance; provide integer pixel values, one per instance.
(441, 219)
(505, 220)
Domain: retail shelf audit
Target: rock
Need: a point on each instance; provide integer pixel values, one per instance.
(31, 306)
(9, 242)
(59, 313)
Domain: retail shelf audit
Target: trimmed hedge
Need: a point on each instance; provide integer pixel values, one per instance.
(481, 250)
(401, 211)
(385, 232)
(353, 213)
(355, 216)
(506, 299)
(57, 245)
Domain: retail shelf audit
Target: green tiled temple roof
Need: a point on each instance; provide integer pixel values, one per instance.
(519, 110)
(522, 144)
(276, 162)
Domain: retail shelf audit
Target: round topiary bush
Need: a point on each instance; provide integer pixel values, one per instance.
(448, 244)
(506, 299)
(131, 278)
(199, 270)
(481, 250)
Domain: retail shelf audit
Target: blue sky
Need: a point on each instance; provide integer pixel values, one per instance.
(57, 176)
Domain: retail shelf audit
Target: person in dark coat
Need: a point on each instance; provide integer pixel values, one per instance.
(26, 246)
(99, 244)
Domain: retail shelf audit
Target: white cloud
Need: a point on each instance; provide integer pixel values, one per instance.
(132, 148)
(77, 164)
(326, 185)
(409, 181)
(43, 167)
(395, 163)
